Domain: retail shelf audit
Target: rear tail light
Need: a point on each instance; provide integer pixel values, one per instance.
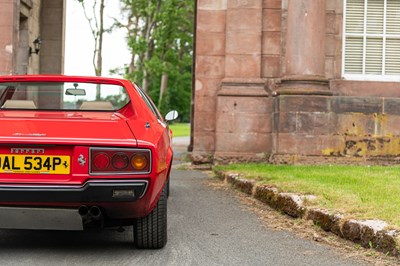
(119, 161)
(139, 161)
(101, 160)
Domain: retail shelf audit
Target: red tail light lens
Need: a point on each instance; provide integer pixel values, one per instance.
(101, 161)
(119, 161)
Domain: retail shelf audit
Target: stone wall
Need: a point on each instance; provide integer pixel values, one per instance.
(352, 129)
(210, 70)
(8, 37)
(23, 21)
(269, 88)
(52, 25)
(32, 12)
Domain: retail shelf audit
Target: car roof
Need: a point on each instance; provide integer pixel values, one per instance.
(62, 78)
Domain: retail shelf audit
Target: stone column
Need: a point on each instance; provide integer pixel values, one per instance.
(305, 48)
(52, 35)
(244, 107)
(302, 102)
(209, 72)
(52, 49)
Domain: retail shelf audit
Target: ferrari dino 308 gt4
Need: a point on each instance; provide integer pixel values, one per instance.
(81, 152)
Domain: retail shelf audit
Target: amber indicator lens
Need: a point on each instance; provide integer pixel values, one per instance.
(120, 161)
(139, 161)
(101, 161)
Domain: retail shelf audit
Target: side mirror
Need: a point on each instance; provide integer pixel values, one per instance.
(172, 115)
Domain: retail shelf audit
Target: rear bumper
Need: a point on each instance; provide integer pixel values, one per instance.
(40, 218)
(91, 191)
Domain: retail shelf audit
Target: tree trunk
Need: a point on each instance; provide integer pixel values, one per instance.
(145, 83)
(100, 45)
(163, 88)
(150, 25)
(99, 63)
(97, 32)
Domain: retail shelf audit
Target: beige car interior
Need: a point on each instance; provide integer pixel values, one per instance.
(97, 105)
(19, 104)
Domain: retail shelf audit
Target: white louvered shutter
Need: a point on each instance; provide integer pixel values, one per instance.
(354, 38)
(372, 39)
(393, 37)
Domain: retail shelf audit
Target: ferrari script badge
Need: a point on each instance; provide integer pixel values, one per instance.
(82, 160)
(27, 150)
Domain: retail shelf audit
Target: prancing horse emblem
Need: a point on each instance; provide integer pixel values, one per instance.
(81, 160)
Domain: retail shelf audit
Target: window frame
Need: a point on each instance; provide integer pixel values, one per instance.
(149, 103)
(364, 35)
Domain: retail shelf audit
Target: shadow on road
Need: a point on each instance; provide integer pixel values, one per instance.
(14, 240)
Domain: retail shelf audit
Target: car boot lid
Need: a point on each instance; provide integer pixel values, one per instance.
(94, 128)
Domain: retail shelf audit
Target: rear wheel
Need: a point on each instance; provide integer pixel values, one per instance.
(150, 232)
(168, 187)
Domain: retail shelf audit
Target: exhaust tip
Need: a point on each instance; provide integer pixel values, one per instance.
(95, 212)
(83, 210)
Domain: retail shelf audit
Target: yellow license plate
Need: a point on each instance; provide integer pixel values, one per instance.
(34, 164)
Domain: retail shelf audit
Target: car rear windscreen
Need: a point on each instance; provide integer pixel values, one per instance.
(62, 96)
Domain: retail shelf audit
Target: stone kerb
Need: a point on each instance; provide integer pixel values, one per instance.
(367, 233)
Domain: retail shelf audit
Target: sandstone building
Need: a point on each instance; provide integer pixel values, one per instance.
(294, 81)
(21, 23)
(275, 80)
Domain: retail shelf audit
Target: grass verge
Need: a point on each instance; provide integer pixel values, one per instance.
(359, 192)
(180, 129)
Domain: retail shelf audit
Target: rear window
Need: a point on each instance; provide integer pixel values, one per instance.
(62, 96)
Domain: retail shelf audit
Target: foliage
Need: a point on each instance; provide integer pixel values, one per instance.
(180, 129)
(160, 37)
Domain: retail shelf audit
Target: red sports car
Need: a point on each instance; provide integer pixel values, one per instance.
(82, 152)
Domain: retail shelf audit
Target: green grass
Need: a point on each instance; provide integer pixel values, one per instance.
(359, 192)
(180, 129)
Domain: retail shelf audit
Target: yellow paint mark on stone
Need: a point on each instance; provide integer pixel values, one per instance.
(364, 136)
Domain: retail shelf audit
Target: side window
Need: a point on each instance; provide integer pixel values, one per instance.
(149, 103)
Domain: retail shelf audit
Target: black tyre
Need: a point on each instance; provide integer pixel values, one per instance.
(150, 232)
(168, 187)
(168, 180)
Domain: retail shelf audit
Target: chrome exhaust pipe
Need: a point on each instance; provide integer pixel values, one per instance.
(95, 213)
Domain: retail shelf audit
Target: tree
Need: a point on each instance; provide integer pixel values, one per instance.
(159, 35)
(96, 23)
